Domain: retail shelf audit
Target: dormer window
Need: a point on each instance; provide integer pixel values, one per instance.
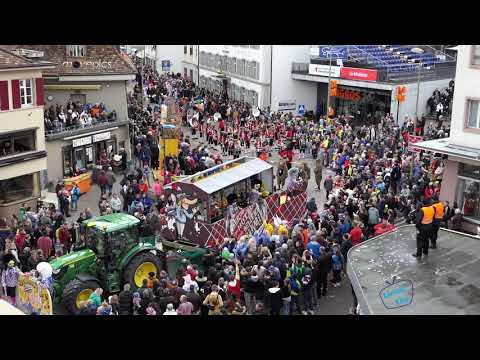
(76, 50)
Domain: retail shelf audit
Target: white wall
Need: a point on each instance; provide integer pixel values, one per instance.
(261, 55)
(286, 88)
(467, 84)
(409, 105)
(174, 53)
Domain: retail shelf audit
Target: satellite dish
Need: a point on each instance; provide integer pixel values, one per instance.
(217, 116)
(256, 112)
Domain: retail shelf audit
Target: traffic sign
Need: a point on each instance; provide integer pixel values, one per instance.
(301, 109)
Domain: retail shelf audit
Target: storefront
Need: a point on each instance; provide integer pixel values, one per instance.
(83, 152)
(366, 105)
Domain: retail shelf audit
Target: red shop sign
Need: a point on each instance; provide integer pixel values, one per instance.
(358, 74)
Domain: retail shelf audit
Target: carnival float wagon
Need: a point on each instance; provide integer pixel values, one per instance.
(228, 200)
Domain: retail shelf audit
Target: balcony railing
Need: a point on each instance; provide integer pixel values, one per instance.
(78, 130)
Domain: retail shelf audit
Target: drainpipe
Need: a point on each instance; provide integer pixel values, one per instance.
(271, 76)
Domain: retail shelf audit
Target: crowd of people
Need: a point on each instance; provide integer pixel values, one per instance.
(284, 268)
(440, 103)
(75, 115)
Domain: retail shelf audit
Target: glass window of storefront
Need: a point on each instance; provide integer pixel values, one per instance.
(468, 190)
(87, 156)
(19, 188)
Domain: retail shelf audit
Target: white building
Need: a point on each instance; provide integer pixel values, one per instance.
(169, 58)
(461, 179)
(258, 74)
(190, 62)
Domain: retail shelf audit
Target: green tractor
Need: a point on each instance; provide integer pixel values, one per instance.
(113, 255)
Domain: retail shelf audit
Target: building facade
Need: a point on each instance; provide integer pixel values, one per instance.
(85, 74)
(170, 59)
(257, 74)
(461, 177)
(190, 62)
(23, 154)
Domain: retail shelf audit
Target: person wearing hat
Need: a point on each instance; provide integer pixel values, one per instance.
(424, 223)
(10, 278)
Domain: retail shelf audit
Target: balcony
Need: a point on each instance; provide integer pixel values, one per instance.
(61, 132)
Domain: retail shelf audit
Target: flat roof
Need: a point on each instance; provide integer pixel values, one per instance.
(447, 282)
(443, 146)
(231, 176)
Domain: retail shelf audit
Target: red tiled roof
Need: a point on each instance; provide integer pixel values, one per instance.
(9, 59)
(99, 60)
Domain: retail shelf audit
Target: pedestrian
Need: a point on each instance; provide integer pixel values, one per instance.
(110, 180)
(318, 173)
(10, 279)
(75, 195)
(328, 185)
(125, 299)
(103, 182)
(186, 307)
(170, 310)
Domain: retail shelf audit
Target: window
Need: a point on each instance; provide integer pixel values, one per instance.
(191, 74)
(468, 197)
(185, 49)
(26, 94)
(255, 46)
(19, 188)
(254, 98)
(254, 70)
(241, 95)
(67, 160)
(223, 63)
(191, 50)
(234, 66)
(217, 62)
(76, 50)
(476, 55)
(16, 143)
(241, 67)
(473, 115)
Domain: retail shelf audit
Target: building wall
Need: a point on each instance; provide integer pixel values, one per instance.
(113, 94)
(286, 88)
(448, 191)
(174, 53)
(261, 55)
(19, 119)
(409, 105)
(466, 85)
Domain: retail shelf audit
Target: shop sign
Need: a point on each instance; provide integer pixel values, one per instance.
(217, 169)
(101, 137)
(358, 74)
(323, 70)
(341, 93)
(95, 64)
(336, 52)
(165, 65)
(82, 141)
(287, 105)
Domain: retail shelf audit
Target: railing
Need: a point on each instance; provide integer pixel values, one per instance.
(72, 130)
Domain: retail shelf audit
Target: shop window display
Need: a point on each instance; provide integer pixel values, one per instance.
(468, 197)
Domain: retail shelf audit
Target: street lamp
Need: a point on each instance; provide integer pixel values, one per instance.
(329, 76)
(420, 66)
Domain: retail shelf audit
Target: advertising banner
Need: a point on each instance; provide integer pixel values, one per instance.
(33, 297)
(337, 52)
(322, 70)
(358, 74)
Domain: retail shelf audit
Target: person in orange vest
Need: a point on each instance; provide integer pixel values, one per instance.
(439, 215)
(424, 224)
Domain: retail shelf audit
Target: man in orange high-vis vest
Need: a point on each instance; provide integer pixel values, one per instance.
(424, 224)
(439, 216)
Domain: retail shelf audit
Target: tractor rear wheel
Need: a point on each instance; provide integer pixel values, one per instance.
(76, 292)
(138, 268)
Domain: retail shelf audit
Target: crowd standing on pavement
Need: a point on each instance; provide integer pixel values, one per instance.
(373, 182)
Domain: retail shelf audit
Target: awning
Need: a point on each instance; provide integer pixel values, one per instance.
(231, 176)
(443, 146)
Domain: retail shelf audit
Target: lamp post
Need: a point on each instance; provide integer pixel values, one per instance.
(420, 66)
(329, 76)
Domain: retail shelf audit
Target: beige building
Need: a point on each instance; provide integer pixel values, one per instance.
(461, 177)
(23, 156)
(85, 74)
